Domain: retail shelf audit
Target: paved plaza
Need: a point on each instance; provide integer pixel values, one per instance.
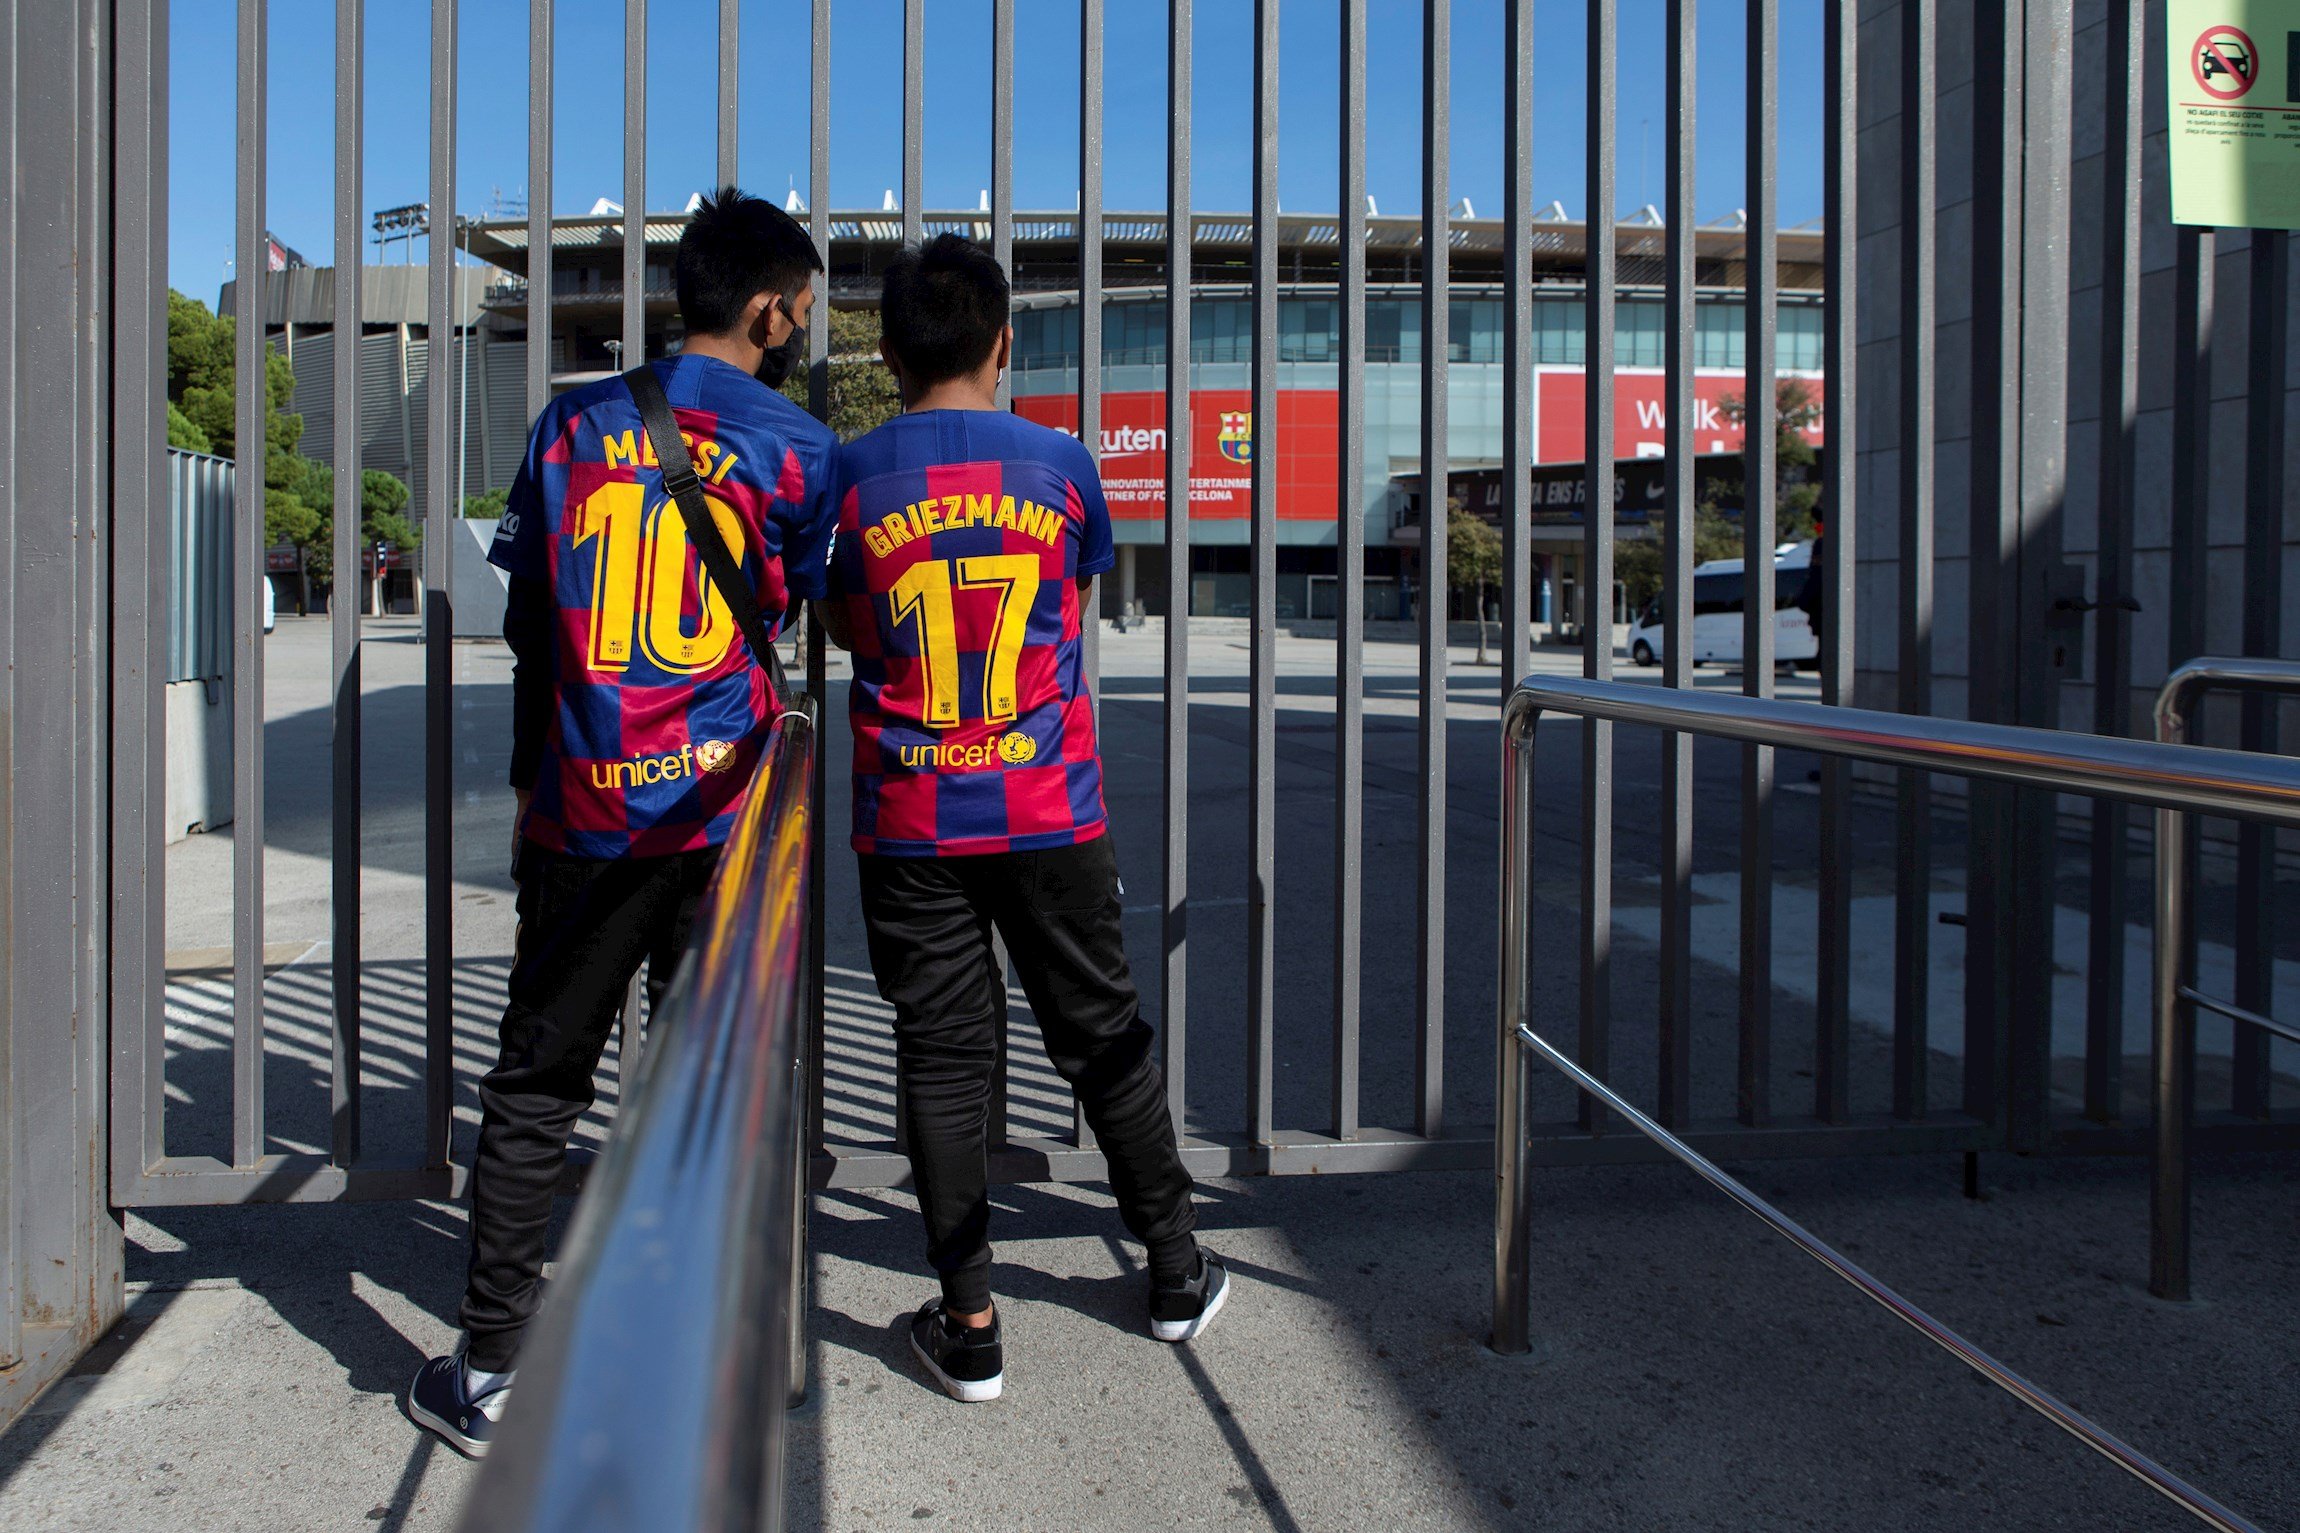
(1690, 1370)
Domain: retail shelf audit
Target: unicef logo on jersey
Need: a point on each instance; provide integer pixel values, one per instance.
(1017, 749)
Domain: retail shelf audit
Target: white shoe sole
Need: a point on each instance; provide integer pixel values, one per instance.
(973, 1392)
(1187, 1330)
(469, 1447)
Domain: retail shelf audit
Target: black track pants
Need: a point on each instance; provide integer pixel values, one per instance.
(584, 927)
(930, 921)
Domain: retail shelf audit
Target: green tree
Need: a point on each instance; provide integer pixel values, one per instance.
(1796, 485)
(1472, 562)
(186, 433)
(863, 395)
(483, 507)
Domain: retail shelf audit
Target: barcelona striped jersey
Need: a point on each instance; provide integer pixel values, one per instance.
(662, 709)
(962, 536)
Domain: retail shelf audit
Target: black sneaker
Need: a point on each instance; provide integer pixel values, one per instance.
(1179, 1313)
(965, 1360)
(438, 1401)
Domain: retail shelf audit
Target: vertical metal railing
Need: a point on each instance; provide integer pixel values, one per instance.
(1349, 582)
(1436, 372)
(439, 525)
(2265, 469)
(1674, 1072)
(1174, 924)
(1089, 354)
(1596, 585)
(2119, 411)
(1840, 176)
(1759, 535)
(249, 407)
(343, 612)
(1262, 639)
(2173, 993)
(1913, 869)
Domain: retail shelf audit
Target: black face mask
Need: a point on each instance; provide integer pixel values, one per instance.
(780, 362)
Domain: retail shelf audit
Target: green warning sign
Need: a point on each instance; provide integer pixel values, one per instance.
(2233, 71)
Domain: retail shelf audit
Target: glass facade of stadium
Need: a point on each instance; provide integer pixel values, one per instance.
(586, 296)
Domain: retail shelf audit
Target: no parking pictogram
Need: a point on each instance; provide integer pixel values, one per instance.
(2225, 62)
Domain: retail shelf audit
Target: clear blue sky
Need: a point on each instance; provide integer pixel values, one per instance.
(866, 121)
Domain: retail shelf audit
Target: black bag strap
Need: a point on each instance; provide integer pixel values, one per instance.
(703, 530)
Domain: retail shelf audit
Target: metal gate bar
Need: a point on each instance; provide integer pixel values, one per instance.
(1674, 1068)
(1262, 638)
(2112, 648)
(1840, 173)
(1759, 535)
(439, 525)
(344, 1094)
(1597, 557)
(1350, 567)
(248, 409)
(1913, 872)
(1090, 345)
(1437, 245)
(1180, 224)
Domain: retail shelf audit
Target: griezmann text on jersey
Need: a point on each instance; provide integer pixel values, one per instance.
(662, 708)
(962, 537)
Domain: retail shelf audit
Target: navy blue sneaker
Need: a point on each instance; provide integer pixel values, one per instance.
(965, 1360)
(439, 1401)
(1179, 1312)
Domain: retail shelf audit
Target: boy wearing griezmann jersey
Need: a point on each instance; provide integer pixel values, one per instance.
(639, 713)
(967, 538)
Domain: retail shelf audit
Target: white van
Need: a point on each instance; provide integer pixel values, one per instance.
(1717, 606)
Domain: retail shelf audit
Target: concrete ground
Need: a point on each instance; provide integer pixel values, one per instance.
(1692, 1370)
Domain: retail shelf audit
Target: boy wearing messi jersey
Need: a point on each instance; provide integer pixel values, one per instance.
(638, 715)
(967, 540)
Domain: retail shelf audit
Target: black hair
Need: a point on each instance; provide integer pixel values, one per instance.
(736, 247)
(942, 308)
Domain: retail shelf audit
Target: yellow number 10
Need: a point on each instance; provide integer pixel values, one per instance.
(637, 550)
(924, 591)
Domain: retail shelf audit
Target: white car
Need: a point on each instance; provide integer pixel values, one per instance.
(1717, 608)
(271, 606)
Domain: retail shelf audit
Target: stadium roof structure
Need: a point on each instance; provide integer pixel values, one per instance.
(1134, 248)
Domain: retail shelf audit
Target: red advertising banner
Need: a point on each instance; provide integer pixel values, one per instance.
(1133, 450)
(1133, 447)
(1640, 415)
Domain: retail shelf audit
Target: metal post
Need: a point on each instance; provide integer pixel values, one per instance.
(2112, 626)
(1090, 363)
(1759, 533)
(913, 119)
(634, 183)
(1597, 562)
(729, 100)
(1437, 236)
(1517, 342)
(1262, 756)
(1683, 490)
(438, 612)
(1350, 581)
(249, 409)
(2264, 499)
(2173, 1048)
(1513, 1072)
(540, 305)
(1174, 989)
(343, 606)
(1833, 1022)
(1913, 870)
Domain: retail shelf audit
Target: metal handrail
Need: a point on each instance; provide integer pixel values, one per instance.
(2109, 1446)
(2172, 777)
(653, 1389)
(2173, 1040)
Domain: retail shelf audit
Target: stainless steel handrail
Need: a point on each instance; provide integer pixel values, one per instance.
(653, 1390)
(2173, 1040)
(2109, 1446)
(2173, 777)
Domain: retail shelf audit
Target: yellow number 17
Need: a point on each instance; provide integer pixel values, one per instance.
(924, 592)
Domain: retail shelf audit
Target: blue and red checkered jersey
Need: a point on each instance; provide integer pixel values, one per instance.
(962, 537)
(661, 709)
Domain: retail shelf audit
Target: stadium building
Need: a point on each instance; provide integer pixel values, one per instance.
(586, 318)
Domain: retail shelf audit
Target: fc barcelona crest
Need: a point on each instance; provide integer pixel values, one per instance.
(1237, 438)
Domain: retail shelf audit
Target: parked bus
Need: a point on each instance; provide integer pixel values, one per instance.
(1717, 608)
